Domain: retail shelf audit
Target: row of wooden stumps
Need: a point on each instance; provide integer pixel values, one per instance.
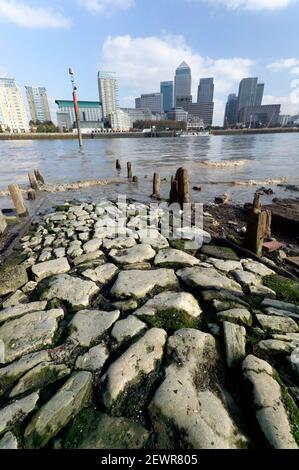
(258, 227)
(35, 179)
(132, 178)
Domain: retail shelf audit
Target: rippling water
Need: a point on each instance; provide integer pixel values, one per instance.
(267, 157)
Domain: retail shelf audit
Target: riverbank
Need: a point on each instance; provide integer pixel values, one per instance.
(104, 340)
(139, 135)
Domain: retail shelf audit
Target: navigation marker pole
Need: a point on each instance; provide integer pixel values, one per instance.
(76, 108)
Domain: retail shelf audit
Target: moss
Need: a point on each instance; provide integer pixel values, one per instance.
(253, 301)
(81, 425)
(286, 289)
(170, 319)
(291, 408)
(180, 245)
(235, 240)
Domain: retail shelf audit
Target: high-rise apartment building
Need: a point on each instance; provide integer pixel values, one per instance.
(151, 101)
(166, 89)
(182, 86)
(12, 110)
(108, 93)
(38, 104)
(205, 90)
(247, 92)
(231, 110)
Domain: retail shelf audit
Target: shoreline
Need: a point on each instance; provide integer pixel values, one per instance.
(140, 135)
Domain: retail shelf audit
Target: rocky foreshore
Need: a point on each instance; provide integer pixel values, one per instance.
(136, 341)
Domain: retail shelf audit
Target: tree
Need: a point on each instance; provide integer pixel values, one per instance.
(1, 130)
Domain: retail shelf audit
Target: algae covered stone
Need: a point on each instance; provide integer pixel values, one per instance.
(135, 254)
(59, 410)
(170, 257)
(88, 326)
(127, 328)
(17, 411)
(50, 268)
(235, 343)
(171, 310)
(139, 360)
(94, 359)
(208, 278)
(12, 278)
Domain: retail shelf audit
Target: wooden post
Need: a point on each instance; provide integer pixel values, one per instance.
(129, 168)
(135, 179)
(118, 165)
(18, 200)
(256, 202)
(31, 194)
(258, 227)
(39, 176)
(33, 181)
(3, 223)
(183, 186)
(173, 197)
(156, 185)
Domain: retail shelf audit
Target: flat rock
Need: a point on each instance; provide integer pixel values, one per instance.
(256, 268)
(39, 377)
(73, 290)
(92, 245)
(195, 234)
(186, 410)
(220, 252)
(281, 313)
(29, 333)
(208, 278)
(273, 347)
(11, 373)
(241, 316)
(59, 410)
(88, 326)
(153, 237)
(102, 431)
(17, 411)
(94, 359)
(127, 328)
(235, 343)
(225, 265)
(170, 257)
(262, 291)
(19, 297)
(20, 310)
(246, 278)
(85, 258)
(136, 254)
(8, 442)
(171, 310)
(29, 287)
(280, 305)
(274, 324)
(119, 243)
(139, 360)
(102, 274)
(270, 411)
(12, 278)
(138, 284)
(50, 268)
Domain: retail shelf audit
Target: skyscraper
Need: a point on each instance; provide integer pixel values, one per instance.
(166, 89)
(231, 110)
(12, 109)
(38, 104)
(247, 92)
(151, 101)
(259, 94)
(182, 86)
(205, 90)
(108, 93)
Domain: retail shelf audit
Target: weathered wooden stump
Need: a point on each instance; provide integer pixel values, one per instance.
(258, 227)
(3, 223)
(156, 185)
(135, 179)
(33, 181)
(39, 177)
(18, 200)
(179, 191)
(31, 194)
(129, 168)
(118, 165)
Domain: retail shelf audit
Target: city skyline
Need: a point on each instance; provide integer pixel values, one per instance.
(144, 48)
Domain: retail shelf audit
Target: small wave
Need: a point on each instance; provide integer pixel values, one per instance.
(223, 164)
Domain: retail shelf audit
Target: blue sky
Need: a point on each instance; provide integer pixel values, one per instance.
(144, 40)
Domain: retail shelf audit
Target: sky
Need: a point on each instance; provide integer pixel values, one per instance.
(143, 41)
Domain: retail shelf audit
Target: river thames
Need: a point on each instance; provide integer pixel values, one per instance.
(241, 158)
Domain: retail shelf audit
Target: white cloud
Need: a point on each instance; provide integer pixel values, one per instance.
(27, 16)
(253, 4)
(141, 63)
(284, 64)
(105, 6)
